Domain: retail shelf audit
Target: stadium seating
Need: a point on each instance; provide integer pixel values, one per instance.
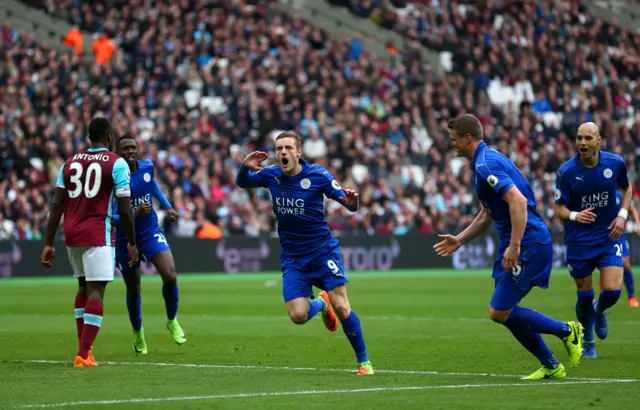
(200, 85)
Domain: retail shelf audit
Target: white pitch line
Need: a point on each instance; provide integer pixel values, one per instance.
(398, 318)
(321, 369)
(302, 392)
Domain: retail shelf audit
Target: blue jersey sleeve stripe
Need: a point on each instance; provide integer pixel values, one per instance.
(120, 173)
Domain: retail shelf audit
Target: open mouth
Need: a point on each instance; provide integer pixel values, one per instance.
(130, 158)
(584, 150)
(285, 161)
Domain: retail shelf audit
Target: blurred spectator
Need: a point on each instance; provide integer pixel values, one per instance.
(201, 83)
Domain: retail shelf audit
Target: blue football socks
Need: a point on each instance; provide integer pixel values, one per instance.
(170, 295)
(353, 330)
(629, 283)
(607, 299)
(315, 306)
(534, 343)
(585, 313)
(134, 303)
(537, 322)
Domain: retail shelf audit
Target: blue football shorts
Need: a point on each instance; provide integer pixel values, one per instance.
(299, 275)
(534, 269)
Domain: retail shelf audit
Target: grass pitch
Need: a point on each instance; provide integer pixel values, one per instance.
(428, 333)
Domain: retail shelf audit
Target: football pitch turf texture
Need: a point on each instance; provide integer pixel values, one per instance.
(428, 334)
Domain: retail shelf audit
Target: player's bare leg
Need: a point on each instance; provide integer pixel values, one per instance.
(352, 328)
(629, 283)
(92, 318)
(299, 309)
(134, 302)
(612, 277)
(166, 267)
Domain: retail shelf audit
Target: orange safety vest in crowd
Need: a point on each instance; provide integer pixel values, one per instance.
(74, 40)
(104, 49)
(209, 231)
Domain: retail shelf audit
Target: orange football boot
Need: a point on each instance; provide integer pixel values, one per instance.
(633, 302)
(328, 315)
(80, 362)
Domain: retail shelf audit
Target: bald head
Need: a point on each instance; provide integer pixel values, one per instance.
(588, 143)
(589, 128)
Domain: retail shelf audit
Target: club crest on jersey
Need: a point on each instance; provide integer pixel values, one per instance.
(558, 194)
(608, 173)
(492, 180)
(147, 177)
(305, 183)
(336, 185)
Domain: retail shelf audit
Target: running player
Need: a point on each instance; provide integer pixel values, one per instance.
(585, 192)
(84, 193)
(152, 243)
(310, 252)
(525, 255)
(629, 281)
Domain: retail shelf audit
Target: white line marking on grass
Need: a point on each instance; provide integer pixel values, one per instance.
(303, 392)
(245, 318)
(320, 369)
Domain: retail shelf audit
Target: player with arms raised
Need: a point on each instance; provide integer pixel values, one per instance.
(310, 252)
(84, 193)
(585, 201)
(152, 245)
(525, 254)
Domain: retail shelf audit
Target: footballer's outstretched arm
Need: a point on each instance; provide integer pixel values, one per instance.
(55, 214)
(247, 179)
(157, 193)
(480, 223)
(518, 213)
(332, 189)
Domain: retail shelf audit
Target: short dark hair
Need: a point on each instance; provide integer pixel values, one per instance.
(125, 137)
(98, 128)
(466, 124)
(291, 134)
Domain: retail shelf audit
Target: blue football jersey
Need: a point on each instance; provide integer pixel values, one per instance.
(142, 188)
(298, 203)
(580, 188)
(494, 175)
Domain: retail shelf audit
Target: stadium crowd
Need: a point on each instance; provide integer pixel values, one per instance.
(200, 83)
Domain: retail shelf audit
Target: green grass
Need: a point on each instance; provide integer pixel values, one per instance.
(429, 330)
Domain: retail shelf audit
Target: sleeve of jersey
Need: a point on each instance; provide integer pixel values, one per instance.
(562, 194)
(333, 190)
(60, 181)
(623, 178)
(247, 179)
(494, 174)
(157, 193)
(121, 178)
